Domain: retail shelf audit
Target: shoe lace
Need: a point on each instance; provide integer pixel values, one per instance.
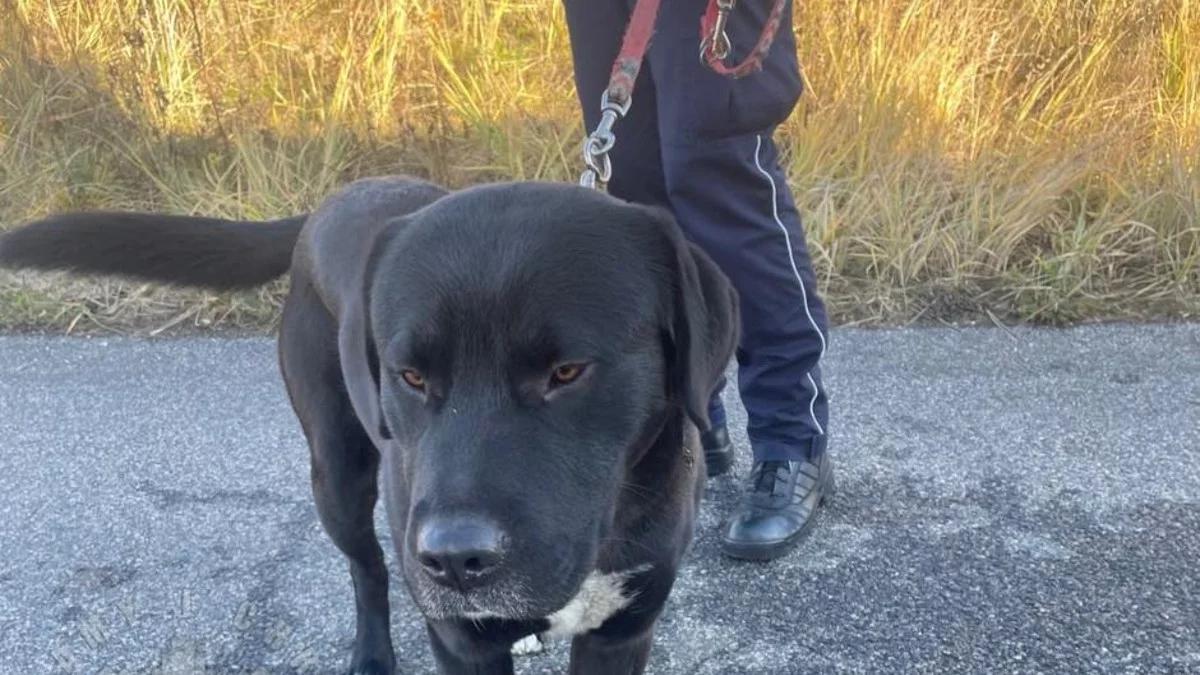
(766, 476)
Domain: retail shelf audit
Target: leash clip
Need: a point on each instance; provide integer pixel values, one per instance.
(617, 98)
(717, 41)
(597, 145)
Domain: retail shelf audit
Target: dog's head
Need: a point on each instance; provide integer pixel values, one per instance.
(522, 344)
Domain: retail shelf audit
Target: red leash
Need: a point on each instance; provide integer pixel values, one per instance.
(619, 95)
(714, 47)
(714, 43)
(633, 51)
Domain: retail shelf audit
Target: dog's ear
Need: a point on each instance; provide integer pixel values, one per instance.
(703, 325)
(343, 269)
(357, 349)
(360, 367)
(706, 330)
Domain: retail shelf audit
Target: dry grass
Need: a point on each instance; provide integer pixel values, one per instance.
(1035, 160)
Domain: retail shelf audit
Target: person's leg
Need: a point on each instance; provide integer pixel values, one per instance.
(729, 193)
(596, 28)
(744, 219)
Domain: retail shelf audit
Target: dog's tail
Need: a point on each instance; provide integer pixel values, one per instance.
(180, 250)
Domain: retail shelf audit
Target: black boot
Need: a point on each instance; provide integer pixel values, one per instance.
(779, 507)
(718, 451)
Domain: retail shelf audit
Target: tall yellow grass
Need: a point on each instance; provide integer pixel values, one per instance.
(1033, 159)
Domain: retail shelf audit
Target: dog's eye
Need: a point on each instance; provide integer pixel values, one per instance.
(566, 374)
(413, 379)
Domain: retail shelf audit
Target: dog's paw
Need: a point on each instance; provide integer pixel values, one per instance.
(528, 646)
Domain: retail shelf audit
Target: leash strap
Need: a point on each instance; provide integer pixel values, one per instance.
(617, 98)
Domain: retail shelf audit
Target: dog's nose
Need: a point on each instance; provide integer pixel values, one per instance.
(460, 553)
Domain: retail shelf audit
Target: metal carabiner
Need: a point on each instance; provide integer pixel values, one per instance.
(597, 144)
(718, 40)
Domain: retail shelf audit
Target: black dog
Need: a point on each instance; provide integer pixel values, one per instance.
(518, 363)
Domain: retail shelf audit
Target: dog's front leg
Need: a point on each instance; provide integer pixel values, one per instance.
(593, 654)
(459, 650)
(343, 470)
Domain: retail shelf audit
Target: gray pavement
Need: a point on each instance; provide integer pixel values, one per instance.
(1010, 501)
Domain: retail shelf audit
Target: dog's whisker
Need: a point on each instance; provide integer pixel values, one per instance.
(638, 490)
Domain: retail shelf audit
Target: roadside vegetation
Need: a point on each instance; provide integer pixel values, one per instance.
(994, 160)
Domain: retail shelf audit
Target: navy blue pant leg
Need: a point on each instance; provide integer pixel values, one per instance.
(728, 194)
(702, 145)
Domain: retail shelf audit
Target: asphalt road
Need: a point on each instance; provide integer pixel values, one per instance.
(1010, 501)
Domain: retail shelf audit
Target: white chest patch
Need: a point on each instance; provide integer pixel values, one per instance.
(528, 646)
(601, 595)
